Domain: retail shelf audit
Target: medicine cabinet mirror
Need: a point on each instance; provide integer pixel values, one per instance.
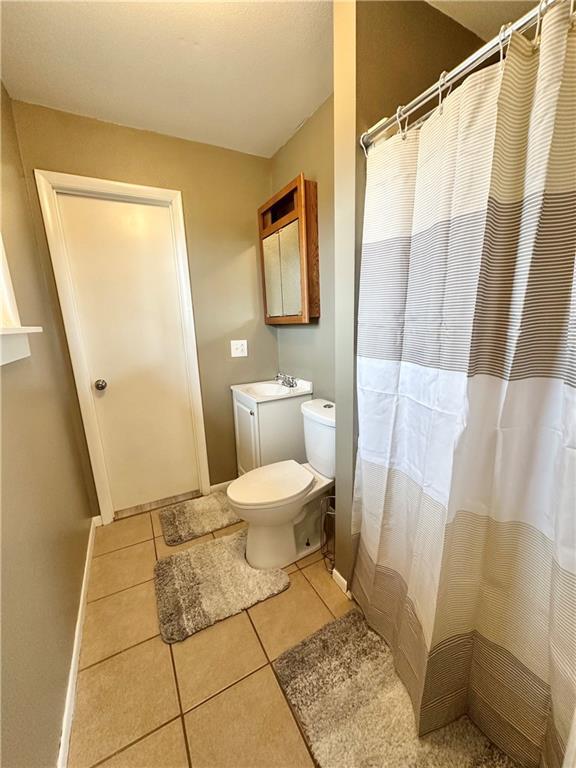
(288, 226)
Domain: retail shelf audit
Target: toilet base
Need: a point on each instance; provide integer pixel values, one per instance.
(270, 546)
(279, 546)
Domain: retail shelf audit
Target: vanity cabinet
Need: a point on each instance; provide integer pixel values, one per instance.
(267, 431)
(288, 226)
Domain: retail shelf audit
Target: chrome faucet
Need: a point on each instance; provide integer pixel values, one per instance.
(286, 381)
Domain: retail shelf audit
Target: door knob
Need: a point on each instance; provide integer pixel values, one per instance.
(100, 384)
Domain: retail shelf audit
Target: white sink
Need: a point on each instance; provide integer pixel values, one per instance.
(267, 389)
(260, 391)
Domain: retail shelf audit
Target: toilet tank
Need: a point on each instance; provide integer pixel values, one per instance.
(320, 435)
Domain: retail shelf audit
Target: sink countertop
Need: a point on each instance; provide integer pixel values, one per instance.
(281, 392)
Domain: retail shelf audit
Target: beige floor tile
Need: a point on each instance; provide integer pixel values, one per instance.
(327, 588)
(120, 700)
(121, 569)
(156, 527)
(231, 529)
(247, 726)
(122, 533)
(309, 559)
(284, 620)
(163, 550)
(213, 659)
(165, 748)
(291, 568)
(117, 622)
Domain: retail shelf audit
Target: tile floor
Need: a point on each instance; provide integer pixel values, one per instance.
(210, 702)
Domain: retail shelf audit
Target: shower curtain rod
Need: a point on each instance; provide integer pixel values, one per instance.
(448, 79)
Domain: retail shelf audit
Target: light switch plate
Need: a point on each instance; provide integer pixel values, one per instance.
(239, 348)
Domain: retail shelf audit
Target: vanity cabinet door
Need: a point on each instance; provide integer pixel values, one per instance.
(247, 442)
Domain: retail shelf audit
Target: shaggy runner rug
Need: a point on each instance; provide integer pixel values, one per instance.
(196, 517)
(356, 713)
(208, 583)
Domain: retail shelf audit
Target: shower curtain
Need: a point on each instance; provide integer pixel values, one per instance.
(465, 489)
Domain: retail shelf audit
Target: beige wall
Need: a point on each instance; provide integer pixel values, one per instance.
(46, 496)
(307, 351)
(400, 49)
(221, 192)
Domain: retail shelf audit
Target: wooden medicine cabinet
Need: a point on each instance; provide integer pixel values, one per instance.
(288, 226)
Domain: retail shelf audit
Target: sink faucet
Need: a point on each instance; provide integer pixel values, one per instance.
(286, 381)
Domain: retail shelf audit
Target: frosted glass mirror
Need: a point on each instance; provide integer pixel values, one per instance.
(272, 278)
(290, 270)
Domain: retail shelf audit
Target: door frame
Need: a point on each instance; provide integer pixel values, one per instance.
(50, 184)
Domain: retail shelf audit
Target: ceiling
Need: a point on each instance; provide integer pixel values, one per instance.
(242, 75)
(483, 17)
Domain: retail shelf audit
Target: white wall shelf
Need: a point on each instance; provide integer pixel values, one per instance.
(14, 344)
(21, 329)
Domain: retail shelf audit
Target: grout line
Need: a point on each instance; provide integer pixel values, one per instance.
(271, 665)
(180, 705)
(186, 744)
(247, 612)
(181, 708)
(117, 592)
(320, 596)
(227, 687)
(302, 567)
(318, 593)
(112, 655)
(131, 744)
(324, 603)
(119, 549)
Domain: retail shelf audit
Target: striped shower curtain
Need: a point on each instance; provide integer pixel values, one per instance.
(466, 474)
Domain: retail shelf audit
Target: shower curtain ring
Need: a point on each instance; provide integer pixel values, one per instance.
(441, 85)
(501, 35)
(399, 121)
(541, 9)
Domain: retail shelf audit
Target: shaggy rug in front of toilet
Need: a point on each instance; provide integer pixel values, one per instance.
(208, 583)
(356, 713)
(196, 517)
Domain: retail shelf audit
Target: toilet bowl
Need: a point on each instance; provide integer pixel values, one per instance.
(275, 498)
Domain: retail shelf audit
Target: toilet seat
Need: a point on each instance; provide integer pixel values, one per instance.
(273, 485)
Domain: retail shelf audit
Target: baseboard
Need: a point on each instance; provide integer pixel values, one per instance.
(73, 674)
(220, 486)
(341, 582)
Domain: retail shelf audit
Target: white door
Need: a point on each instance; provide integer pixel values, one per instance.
(128, 340)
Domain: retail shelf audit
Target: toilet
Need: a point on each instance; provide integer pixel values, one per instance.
(281, 501)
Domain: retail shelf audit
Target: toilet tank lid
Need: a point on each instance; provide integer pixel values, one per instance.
(320, 410)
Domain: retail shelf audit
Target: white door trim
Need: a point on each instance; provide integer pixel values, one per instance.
(50, 184)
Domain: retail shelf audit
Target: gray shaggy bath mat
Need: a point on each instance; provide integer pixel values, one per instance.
(207, 583)
(196, 517)
(356, 713)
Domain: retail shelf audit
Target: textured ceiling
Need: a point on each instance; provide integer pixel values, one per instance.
(484, 17)
(238, 75)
